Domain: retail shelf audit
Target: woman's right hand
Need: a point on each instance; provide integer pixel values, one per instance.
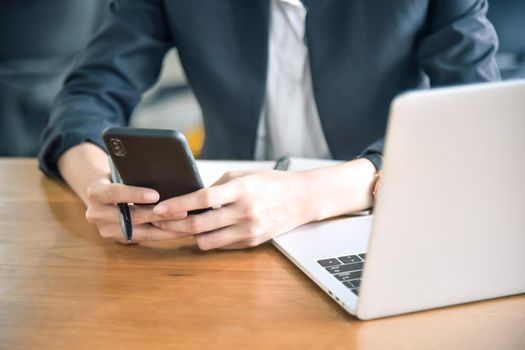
(102, 198)
(85, 168)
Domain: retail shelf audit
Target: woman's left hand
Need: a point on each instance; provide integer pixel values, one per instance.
(252, 207)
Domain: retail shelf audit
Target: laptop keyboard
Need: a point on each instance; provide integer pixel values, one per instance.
(347, 269)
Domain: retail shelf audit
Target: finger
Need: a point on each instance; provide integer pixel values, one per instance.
(204, 222)
(102, 214)
(110, 193)
(110, 214)
(227, 236)
(235, 246)
(230, 175)
(150, 233)
(142, 214)
(210, 197)
(141, 233)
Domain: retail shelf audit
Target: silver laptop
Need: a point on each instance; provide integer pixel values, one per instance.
(449, 221)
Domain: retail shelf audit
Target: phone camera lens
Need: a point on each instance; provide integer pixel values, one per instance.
(117, 147)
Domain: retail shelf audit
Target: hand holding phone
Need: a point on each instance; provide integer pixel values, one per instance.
(151, 158)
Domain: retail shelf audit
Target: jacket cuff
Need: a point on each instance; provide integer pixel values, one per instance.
(374, 153)
(375, 158)
(57, 142)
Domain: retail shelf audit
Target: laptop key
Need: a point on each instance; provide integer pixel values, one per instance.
(358, 273)
(362, 255)
(355, 291)
(346, 276)
(329, 262)
(350, 259)
(345, 268)
(356, 283)
(348, 285)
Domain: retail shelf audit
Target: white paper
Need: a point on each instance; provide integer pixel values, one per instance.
(211, 170)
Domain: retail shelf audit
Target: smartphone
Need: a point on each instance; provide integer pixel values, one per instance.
(154, 158)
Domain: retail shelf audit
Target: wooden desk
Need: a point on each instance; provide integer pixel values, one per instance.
(64, 287)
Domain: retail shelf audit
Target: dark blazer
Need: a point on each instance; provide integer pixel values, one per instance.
(362, 54)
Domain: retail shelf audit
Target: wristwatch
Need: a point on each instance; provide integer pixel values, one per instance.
(377, 160)
(377, 184)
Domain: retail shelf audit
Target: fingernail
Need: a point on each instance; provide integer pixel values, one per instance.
(151, 196)
(160, 209)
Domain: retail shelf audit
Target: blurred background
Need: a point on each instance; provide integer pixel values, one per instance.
(37, 51)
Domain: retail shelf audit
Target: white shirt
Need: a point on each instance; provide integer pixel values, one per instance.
(289, 124)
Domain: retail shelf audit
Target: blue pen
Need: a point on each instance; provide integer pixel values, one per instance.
(126, 224)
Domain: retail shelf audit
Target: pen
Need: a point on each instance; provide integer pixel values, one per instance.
(282, 164)
(123, 208)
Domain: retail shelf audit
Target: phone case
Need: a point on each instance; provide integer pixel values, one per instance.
(153, 158)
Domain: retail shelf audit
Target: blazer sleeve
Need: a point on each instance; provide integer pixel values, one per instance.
(122, 61)
(458, 46)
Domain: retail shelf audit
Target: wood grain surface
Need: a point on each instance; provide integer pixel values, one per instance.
(64, 287)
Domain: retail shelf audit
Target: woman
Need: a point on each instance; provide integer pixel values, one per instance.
(273, 78)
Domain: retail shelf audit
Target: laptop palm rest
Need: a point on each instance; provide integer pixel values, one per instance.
(307, 244)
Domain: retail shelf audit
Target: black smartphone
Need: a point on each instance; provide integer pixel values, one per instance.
(154, 158)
